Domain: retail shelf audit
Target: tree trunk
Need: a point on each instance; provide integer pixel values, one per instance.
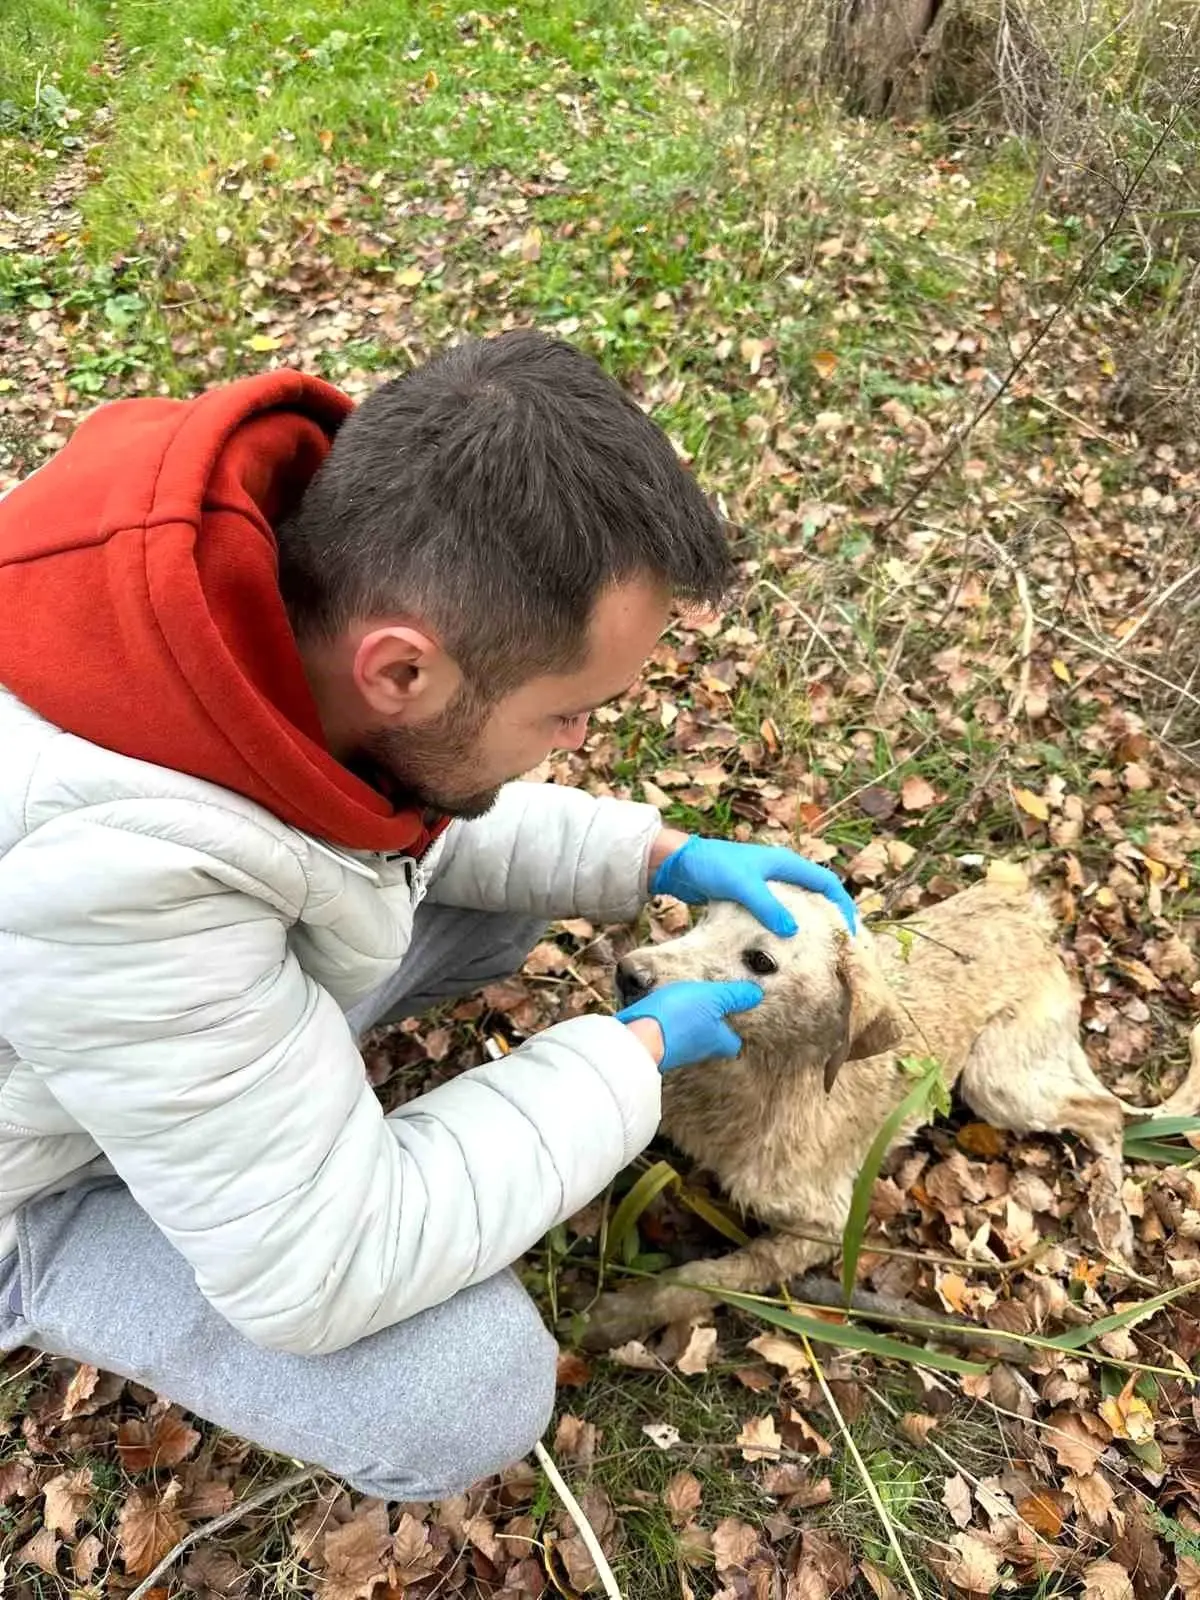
(877, 52)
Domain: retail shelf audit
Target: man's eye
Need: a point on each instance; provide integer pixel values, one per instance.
(760, 963)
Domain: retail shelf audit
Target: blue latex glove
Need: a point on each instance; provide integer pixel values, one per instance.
(692, 1018)
(717, 869)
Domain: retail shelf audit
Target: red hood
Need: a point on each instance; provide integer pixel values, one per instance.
(140, 604)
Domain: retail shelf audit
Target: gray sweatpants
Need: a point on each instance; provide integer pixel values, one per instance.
(414, 1412)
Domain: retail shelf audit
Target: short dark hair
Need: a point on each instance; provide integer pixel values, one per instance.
(496, 492)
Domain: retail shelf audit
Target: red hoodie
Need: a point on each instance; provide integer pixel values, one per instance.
(140, 604)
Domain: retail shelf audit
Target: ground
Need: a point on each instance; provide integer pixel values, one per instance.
(964, 559)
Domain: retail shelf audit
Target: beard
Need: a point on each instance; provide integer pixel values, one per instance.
(429, 766)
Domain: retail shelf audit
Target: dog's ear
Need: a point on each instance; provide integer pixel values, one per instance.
(870, 1021)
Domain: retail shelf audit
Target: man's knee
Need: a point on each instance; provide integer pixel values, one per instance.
(488, 1405)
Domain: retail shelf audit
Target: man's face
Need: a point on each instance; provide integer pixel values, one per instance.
(456, 762)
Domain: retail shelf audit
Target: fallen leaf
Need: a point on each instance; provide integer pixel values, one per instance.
(1105, 1580)
(1074, 1443)
(575, 1439)
(82, 1384)
(572, 1371)
(85, 1558)
(780, 1352)
(880, 1584)
(735, 1544)
(1043, 1510)
(1128, 1415)
(956, 1497)
(68, 1500)
(917, 794)
(825, 362)
(975, 1567)
(263, 342)
(918, 1425)
(16, 1481)
(700, 1347)
(663, 1434)
(1093, 1495)
(1032, 804)
(682, 1498)
(481, 1532)
(760, 1440)
(165, 1443)
(213, 1571)
(356, 1554)
(413, 1556)
(147, 1528)
(636, 1356)
(409, 277)
(792, 1481)
(531, 245)
(41, 1551)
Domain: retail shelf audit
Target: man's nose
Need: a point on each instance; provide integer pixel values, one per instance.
(634, 980)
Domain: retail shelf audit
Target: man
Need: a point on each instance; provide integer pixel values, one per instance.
(258, 650)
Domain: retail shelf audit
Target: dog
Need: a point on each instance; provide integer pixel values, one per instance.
(976, 982)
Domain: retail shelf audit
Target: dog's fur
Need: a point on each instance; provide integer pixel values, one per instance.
(979, 986)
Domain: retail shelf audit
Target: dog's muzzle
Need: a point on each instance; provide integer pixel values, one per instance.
(633, 981)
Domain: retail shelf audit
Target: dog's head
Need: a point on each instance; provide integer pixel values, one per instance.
(825, 1001)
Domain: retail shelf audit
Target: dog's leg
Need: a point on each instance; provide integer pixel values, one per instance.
(761, 1267)
(1031, 1075)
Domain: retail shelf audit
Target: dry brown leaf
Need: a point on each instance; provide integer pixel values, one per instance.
(81, 1387)
(694, 1546)
(16, 1480)
(41, 1551)
(68, 1500)
(701, 1345)
(575, 1439)
(1074, 1443)
(1043, 1510)
(760, 1440)
(974, 1567)
(149, 1526)
(481, 1532)
(824, 1555)
(682, 1498)
(956, 1497)
(1093, 1496)
(1105, 1580)
(918, 1425)
(213, 1571)
(735, 1544)
(917, 794)
(792, 1481)
(880, 1584)
(412, 1554)
(164, 1442)
(780, 1352)
(636, 1356)
(573, 1371)
(356, 1554)
(1128, 1415)
(85, 1558)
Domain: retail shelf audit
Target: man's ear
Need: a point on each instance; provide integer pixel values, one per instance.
(871, 1021)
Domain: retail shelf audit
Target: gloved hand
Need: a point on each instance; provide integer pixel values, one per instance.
(718, 869)
(691, 1017)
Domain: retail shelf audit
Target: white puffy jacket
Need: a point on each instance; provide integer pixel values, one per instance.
(175, 963)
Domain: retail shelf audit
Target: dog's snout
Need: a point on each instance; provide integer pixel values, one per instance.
(634, 981)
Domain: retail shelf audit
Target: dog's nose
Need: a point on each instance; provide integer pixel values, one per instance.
(633, 981)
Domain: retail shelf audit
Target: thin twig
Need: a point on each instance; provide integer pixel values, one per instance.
(1157, 604)
(583, 1527)
(868, 1482)
(798, 611)
(1111, 655)
(260, 1497)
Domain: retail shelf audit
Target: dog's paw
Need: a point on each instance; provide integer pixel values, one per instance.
(639, 1311)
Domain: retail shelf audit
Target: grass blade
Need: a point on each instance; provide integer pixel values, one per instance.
(1161, 1128)
(915, 1101)
(647, 1188)
(847, 1336)
(1162, 1155)
(1076, 1338)
(713, 1215)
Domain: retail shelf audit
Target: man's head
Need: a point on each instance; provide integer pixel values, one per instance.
(489, 552)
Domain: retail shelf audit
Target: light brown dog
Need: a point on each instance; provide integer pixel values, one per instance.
(978, 985)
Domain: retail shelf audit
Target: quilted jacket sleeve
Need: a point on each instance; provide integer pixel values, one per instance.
(150, 983)
(548, 851)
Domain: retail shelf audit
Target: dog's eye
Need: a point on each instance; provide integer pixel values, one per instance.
(760, 962)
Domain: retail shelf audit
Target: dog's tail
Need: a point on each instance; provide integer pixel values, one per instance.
(1185, 1102)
